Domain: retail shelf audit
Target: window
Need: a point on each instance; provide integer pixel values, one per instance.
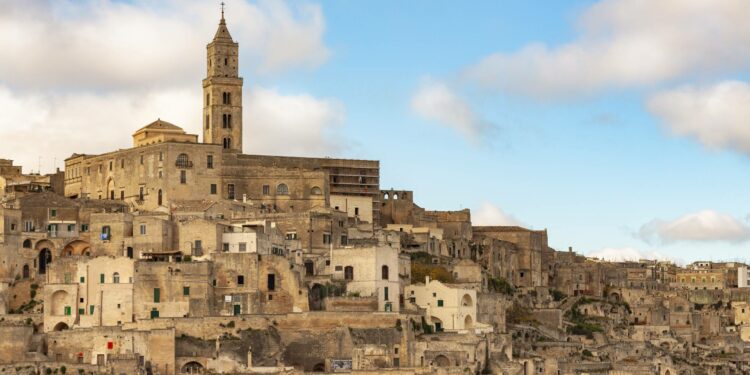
(157, 295)
(140, 193)
(101, 278)
(282, 189)
(143, 229)
(384, 272)
(82, 279)
(68, 310)
(122, 195)
(141, 159)
(230, 191)
(213, 188)
(291, 235)
(271, 282)
(161, 156)
(208, 123)
(356, 211)
(110, 165)
(266, 190)
(116, 278)
(227, 143)
(344, 240)
(243, 247)
(185, 290)
(440, 303)
(316, 191)
(226, 121)
(71, 227)
(225, 246)
(385, 294)
(240, 280)
(348, 273)
(183, 177)
(198, 246)
(210, 161)
(53, 212)
(91, 309)
(159, 196)
(122, 163)
(226, 97)
(326, 238)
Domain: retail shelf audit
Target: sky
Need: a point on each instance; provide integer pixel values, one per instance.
(620, 126)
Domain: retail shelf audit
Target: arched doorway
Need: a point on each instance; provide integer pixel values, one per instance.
(59, 300)
(442, 361)
(316, 297)
(192, 368)
(320, 367)
(60, 327)
(45, 258)
(77, 247)
(468, 322)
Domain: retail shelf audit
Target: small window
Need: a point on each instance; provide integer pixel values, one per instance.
(53, 213)
(230, 191)
(344, 240)
(440, 303)
(141, 159)
(122, 163)
(271, 282)
(185, 290)
(140, 193)
(82, 279)
(243, 247)
(143, 229)
(282, 189)
(240, 280)
(291, 235)
(71, 227)
(266, 190)
(213, 189)
(225, 246)
(316, 191)
(384, 272)
(116, 278)
(110, 165)
(348, 273)
(210, 161)
(157, 295)
(356, 211)
(101, 278)
(326, 238)
(183, 177)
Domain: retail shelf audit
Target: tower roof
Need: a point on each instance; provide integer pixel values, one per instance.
(222, 33)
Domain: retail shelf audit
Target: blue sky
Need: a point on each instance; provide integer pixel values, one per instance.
(618, 127)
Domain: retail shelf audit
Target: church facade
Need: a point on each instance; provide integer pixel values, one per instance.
(167, 166)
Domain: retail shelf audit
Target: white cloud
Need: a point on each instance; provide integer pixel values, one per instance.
(62, 124)
(299, 125)
(490, 214)
(627, 43)
(436, 101)
(706, 225)
(109, 44)
(627, 254)
(717, 116)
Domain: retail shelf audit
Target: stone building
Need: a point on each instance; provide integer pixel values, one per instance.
(530, 247)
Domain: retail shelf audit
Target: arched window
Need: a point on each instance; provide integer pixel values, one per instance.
(27, 244)
(348, 273)
(282, 189)
(395, 196)
(384, 272)
(316, 191)
(182, 161)
(116, 278)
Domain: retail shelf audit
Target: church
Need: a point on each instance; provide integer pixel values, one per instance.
(167, 167)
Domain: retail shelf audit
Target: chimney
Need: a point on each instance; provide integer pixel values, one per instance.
(570, 249)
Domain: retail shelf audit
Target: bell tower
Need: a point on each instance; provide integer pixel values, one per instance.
(222, 92)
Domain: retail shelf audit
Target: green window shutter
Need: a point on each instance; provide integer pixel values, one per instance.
(101, 278)
(91, 310)
(67, 310)
(440, 303)
(185, 290)
(81, 311)
(83, 279)
(156, 295)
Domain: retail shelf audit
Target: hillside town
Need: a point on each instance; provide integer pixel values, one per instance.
(183, 255)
